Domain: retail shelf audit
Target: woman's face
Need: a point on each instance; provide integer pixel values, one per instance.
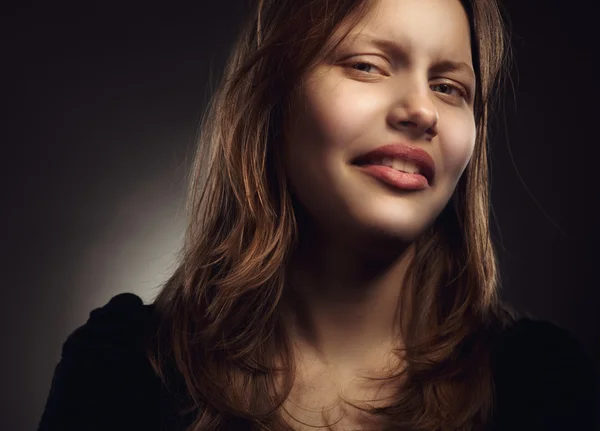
(366, 95)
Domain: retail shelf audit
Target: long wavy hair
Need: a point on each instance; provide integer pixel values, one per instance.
(220, 337)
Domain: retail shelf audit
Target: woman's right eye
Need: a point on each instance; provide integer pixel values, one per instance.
(360, 65)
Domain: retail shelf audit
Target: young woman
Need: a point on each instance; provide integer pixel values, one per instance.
(338, 270)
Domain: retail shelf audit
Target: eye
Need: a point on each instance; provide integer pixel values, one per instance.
(446, 88)
(358, 65)
(365, 67)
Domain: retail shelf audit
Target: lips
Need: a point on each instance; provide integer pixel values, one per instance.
(402, 151)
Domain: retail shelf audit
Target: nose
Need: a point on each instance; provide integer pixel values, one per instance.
(415, 113)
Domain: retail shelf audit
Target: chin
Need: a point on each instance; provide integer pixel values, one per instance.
(381, 227)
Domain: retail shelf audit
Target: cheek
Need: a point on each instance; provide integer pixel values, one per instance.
(457, 144)
(332, 115)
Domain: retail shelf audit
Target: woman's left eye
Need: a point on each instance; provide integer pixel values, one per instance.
(445, 88)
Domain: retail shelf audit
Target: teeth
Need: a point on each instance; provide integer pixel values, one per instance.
(398, 164)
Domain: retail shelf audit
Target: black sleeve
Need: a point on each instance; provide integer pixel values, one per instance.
(545, 380)
(103, 380)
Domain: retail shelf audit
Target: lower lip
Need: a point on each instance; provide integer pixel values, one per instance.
(400, 180)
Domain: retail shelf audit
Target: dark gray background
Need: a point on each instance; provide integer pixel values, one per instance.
(101, 109)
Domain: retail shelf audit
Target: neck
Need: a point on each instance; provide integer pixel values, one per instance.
(341, 306)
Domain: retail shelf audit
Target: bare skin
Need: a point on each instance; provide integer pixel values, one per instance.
(319, 392)
(344, 280)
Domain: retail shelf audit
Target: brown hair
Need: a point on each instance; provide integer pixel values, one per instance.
(220, 334)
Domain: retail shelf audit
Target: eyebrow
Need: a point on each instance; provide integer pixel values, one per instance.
(397, 49)
(451, 66)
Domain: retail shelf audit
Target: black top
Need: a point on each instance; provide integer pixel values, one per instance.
(544, 379)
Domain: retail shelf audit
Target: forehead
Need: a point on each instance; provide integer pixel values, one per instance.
(437, 29)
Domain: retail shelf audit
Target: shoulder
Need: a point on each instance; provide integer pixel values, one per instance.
(104, 378)
(121, 326)
(544, 378)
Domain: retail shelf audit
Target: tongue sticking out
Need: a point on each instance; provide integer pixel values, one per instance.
(394, 163)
